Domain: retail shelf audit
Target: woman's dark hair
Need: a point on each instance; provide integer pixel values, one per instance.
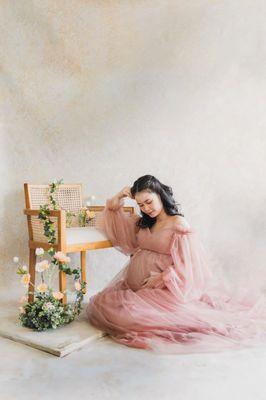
(152, 184)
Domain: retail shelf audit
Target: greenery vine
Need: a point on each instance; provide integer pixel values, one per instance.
(47, 311)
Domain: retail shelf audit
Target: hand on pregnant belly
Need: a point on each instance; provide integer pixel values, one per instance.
(154, 281)
(145, 268)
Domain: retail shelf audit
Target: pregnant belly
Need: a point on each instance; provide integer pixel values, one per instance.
(141, 265)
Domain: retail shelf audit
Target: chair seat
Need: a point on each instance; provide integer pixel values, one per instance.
(83, 235)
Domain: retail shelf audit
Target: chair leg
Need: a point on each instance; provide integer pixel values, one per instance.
(62, 285)
(32, 262)
(83, 268)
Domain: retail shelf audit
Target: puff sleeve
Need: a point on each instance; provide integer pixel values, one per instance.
(188, 275)
(118, 226)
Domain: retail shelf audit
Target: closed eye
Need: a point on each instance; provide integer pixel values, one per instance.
(147, 202)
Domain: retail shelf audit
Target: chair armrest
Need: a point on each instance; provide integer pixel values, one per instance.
(59, 215)
(53, 213)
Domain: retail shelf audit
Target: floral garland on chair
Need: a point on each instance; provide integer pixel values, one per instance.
(47, 310)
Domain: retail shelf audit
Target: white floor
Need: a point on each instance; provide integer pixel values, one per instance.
(106, 370)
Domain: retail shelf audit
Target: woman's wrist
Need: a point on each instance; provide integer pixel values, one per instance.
(120, 195)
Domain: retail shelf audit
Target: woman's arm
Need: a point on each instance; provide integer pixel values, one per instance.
(115, 202)
(119, 226)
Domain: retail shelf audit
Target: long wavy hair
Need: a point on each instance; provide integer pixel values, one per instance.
(152, 184)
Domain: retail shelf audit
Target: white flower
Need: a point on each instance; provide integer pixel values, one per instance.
(42, 266)
(15, 260)
(42, 287)
(77, 286)
(24, 267)
(39, 251)
(58, 295)
(25, 279)
(48, 306)
(62, 257)
(23, 299)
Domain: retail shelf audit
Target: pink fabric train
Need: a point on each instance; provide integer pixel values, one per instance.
(166, 299)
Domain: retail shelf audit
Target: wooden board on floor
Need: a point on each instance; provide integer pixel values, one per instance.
(59, 342)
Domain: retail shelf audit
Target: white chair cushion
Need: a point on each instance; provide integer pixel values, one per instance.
(84, 235)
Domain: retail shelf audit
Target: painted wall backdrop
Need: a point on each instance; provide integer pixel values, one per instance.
(102, 92)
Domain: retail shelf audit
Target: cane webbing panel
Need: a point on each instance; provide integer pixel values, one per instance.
(37, 229)
(68, 197)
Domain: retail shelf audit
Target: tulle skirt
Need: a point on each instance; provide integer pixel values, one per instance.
(179, 313)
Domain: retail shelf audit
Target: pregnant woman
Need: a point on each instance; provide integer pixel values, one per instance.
(166, 298)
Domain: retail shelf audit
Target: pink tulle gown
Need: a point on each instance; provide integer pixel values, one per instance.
(166, 299)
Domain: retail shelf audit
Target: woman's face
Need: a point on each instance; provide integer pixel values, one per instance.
(149, 203)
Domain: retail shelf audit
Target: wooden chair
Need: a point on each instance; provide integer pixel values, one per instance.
(68, 240)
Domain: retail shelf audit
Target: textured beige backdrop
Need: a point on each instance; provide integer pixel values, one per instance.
(102, 92)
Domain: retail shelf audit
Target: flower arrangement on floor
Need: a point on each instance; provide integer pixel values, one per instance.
(47, 310)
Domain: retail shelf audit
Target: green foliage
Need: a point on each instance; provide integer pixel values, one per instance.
(46, 311)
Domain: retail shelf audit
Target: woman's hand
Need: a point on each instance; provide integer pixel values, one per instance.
(114, 202)
(154, 281)
(125, 192)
